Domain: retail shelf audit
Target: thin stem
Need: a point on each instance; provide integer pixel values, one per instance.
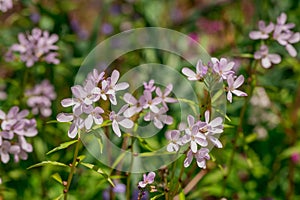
(239, 130)
(178, 182)
(128, 187)
(73, 166)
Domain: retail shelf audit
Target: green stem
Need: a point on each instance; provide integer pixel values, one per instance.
(73, 166)
(128, 187)
(239, 130)
(178, 183)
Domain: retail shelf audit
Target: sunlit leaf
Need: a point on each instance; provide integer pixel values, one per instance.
(46, 163)
(62, 146)
(57, 177)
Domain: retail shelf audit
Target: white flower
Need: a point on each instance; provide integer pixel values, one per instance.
(233, 85)
(201, 71)
(117, 120)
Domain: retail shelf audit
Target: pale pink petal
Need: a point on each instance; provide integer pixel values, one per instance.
(128, 98)
(274, 58)
(126, 123)
(291, 50)
(121, 86)
(116, 129)
(64, 117)
(265, 62)
(216, 142)
(229, 96)
(189, 73)
(239, 81)
(115, 77)
(239, 93)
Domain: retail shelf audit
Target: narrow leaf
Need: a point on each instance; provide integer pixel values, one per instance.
(98, 170)
(62, 146)
(57, 177)
(45, 163)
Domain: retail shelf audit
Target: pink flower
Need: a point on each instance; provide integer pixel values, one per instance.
(175, 140)
(222, 67)
(163, 96)
(148, 179)
(233, 85)
(266, 58)
(201, 71)
(263, 32)
(5, 5)
(117, 119)
(37, 46)
(149, 86)
(136, 106)
(40, 98)
(113, 87)
(160, 118)
(201, 156)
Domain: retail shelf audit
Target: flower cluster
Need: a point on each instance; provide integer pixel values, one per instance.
(155, 105)
(40, 97)
(5, 5)
(34, 47)
(196, 134)
(282, 33)
(223, 70)
(15, 128)
(96, 88)
(84, 113)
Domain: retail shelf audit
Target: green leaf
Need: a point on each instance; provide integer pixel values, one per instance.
(45, 163)
(57, 177)
(62, 146)
(98, 170)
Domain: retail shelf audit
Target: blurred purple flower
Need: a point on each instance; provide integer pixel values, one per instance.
(233, 85)
(160, 118)
(5, 5)
(80, 32)
(136, 193)
(15, 128)
(147, 179)
(35, 17)
(210, 26)
(263, 32)
(163, 96)
(107, 28)
(119, 188)
(40, 97)
(149, 85)
(266, 58)
(37, 46)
